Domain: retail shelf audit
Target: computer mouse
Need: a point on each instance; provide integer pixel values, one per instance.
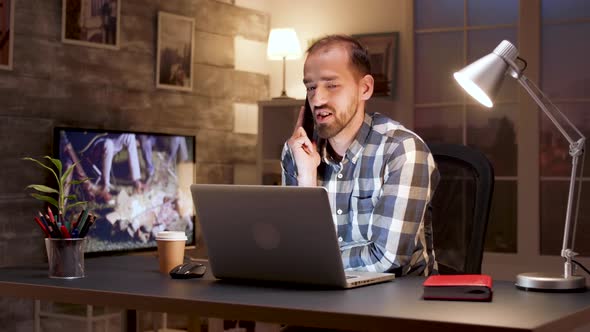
(188, 271)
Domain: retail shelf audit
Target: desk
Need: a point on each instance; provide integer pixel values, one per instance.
(133, 282)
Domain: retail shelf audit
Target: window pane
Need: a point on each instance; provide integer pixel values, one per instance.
(438, 13)
(483, 42)
(501, 232)
(494, 133)
(439, 125)
(554, 194)
(565, 54)
(485, 12)
(554, 155)
(564, 9)
(438, 56)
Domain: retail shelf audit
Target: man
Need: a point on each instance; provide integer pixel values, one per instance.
(380, 176)
(103, 150)
(175, 146)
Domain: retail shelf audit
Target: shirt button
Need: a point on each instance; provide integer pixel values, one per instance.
(340, 175)
(339, 211)
(340, 239)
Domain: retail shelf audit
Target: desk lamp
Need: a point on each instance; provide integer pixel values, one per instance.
(482, 80)
(283, 44)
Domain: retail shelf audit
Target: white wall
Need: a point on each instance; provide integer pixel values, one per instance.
(313, 19)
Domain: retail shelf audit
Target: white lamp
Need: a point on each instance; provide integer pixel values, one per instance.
(482, 80)
(283, 44)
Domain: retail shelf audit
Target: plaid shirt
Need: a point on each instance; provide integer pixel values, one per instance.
(379, 195)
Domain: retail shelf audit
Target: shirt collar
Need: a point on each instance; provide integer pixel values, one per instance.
(357, 145)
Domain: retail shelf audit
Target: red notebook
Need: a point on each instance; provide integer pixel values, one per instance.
(458, 287)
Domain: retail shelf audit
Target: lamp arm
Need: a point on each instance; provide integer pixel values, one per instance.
(528, 86)
(576, 149)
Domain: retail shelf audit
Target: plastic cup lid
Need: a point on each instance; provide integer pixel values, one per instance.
(171, 236)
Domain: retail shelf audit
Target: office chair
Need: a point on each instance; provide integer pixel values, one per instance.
(461, 207)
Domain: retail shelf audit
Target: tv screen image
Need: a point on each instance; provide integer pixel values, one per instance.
(138, 185)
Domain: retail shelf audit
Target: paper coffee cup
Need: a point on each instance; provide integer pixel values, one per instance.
(170, 249)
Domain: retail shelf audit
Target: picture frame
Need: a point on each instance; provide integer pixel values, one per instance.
(94, 23)
(174, 64)
(383, 54)
(6, 34)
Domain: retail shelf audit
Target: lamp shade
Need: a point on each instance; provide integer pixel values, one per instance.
(482, 79)
(283, 43)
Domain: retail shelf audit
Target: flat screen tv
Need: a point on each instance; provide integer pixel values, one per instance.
(139, 185)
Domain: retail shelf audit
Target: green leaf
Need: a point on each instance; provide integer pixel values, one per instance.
(38, 162)
(47, 199)
(67, 173)
(80, 181)
(43, 189)
(44, 166)
(56, 162)
(74, 204)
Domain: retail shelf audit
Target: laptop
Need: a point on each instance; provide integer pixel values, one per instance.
(273, 233)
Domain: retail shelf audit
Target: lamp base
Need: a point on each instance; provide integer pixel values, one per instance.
(285, 97)
(549, 282)
(283, 93)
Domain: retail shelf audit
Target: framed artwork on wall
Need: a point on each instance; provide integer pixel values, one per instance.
(6, 33)
(93, 23)
(174, 66)
(382, 48)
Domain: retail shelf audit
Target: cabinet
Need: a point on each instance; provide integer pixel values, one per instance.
(91, 317)
(276, 121)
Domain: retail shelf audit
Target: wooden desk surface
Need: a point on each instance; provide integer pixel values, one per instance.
(133, 282)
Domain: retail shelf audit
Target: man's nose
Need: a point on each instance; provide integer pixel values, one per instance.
(319, 97)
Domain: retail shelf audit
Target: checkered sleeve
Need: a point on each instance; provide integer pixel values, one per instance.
(395, 231)
(288, 168)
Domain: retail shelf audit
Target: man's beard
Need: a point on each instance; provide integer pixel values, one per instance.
(341, 120)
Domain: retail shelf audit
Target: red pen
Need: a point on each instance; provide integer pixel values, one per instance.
(50, 215)
(42, 227)
(64, 232)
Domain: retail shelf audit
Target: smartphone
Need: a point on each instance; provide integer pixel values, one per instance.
(308, 124)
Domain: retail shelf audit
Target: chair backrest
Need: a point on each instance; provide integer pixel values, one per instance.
(460, 207)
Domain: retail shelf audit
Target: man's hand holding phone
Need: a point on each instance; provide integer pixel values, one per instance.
(304, 153)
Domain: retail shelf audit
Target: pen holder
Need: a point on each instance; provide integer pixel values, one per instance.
(65, 258)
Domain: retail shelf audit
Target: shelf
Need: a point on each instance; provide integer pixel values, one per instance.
(272, 166)
(282, 102)
(276, 120)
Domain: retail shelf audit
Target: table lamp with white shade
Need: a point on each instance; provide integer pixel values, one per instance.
(283, 44)
(482, 80)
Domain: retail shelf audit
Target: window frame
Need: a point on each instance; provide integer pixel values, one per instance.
(528, 253)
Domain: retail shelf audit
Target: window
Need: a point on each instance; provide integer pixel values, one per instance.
(564, 79)
(448, 35)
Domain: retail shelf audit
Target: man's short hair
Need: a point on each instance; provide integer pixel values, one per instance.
(358, 55)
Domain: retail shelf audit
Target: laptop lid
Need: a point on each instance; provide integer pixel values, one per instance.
(272, 233)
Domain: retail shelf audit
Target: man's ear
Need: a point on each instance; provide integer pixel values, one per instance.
(367, 83)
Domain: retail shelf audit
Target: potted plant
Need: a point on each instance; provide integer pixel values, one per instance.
(64, 241)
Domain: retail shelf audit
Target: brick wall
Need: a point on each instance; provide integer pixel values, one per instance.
(56, 84)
